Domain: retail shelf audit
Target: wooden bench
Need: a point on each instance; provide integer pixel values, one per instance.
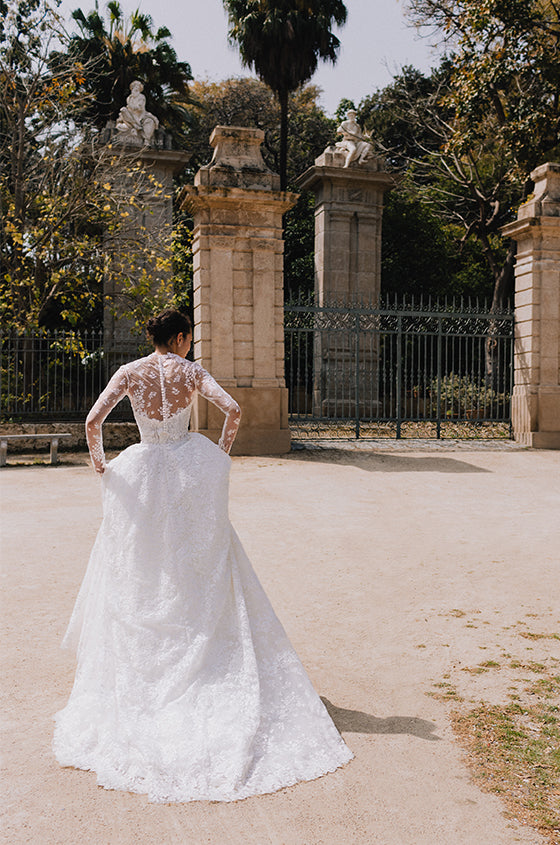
(54, 438)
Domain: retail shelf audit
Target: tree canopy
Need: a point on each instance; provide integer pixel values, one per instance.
(470, 134)
(463, 137)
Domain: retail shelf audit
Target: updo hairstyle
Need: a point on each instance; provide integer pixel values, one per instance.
(167, 325)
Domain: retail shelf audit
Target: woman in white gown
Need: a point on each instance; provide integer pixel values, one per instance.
(187, 687)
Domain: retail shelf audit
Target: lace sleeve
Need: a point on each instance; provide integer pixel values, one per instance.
(113, 393)
(211, 390)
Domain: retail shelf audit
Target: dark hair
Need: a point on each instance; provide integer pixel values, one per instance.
(167, 325)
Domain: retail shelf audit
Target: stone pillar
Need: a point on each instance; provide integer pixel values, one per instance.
(536, 394)
(145, 174)
(348, 211)
(238, 288)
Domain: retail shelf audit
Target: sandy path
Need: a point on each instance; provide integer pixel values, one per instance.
(366, 558)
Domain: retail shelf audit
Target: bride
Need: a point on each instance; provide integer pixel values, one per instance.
(187, 687)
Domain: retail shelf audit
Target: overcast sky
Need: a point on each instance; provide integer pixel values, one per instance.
(376, 41)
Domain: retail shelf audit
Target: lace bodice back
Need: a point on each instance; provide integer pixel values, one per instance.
(161, 388)
(161, 391)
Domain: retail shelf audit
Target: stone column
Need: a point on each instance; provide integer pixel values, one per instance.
(238, 288)
(146, 174)
(348, 211)
(536, 394)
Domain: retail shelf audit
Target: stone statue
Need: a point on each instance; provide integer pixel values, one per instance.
(355, 143)
(133, 119)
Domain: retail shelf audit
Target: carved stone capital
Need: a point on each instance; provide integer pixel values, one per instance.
(237, 161)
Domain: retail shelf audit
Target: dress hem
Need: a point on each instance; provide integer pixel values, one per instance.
(223, 800)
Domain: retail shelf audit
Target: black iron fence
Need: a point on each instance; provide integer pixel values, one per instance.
(398, 369)
(47, 375)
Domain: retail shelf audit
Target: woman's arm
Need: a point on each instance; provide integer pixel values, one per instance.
(113, 393)
(211, 390)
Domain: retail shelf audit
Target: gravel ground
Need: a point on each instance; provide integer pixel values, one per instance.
(379, 562)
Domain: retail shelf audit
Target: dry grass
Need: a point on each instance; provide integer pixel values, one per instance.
(512, 746)
(514, 751)
(530, 635)
(482, 667)
(445, 692)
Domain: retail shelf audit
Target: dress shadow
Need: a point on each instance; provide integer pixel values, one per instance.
(358, 722)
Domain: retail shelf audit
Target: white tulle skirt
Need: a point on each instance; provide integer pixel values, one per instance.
(187, 687)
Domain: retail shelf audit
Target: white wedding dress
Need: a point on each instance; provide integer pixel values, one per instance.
(187, 687)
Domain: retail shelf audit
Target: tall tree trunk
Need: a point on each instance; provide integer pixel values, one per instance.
(503, 289)
(283, 98)
(18, 168)
(504, 279)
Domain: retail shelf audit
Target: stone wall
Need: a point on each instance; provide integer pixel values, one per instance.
(116, 436)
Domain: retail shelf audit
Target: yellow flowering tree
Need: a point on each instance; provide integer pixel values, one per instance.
(66, 199)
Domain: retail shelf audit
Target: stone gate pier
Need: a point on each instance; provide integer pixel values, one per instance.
(238, 288)
(140, 166)
(349, 182)
(536, 394)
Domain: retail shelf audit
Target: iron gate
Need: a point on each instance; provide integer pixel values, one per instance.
(399, 369)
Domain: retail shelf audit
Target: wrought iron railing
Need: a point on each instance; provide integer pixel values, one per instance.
(47, 375)
(397, 368)
(425, 368)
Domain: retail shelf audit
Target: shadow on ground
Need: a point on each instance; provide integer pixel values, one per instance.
(355, 721)
(375, 462)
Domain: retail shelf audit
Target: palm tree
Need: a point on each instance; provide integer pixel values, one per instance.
(126, 49)
(283, 41)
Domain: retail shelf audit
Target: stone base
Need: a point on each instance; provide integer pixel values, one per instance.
(539, 439)
(264, 426)
(536, 416)
(255, 441)
(263, 431)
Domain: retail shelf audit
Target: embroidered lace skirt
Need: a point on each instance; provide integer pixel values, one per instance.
(187, 687)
